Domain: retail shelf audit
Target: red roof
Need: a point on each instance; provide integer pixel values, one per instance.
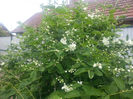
(124, 7)
(33, 21)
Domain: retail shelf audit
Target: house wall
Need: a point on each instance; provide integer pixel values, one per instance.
(5, 42)
(126, 31)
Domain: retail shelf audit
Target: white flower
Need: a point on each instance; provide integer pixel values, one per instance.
(36, 38)
(105, 41)
(72, 46)
(0, 69)
(95, 65)
(91, 15)
(72, 70)
(85, 8)
(86, 17)
(99, 65)
(63, 41)
(43, 42)
(2, 63)
(80, 82)
(67, 88)
(116, 41)
(128, 70)
(129, 42)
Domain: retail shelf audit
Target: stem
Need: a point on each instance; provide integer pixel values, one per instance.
(124, 91)
(21, 81)
(14, 89)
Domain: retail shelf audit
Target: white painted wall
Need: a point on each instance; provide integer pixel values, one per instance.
(5, 43)
(126, 31)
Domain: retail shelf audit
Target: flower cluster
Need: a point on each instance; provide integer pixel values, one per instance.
(70, 71)
(71, 46)
(60, 80)
(67, 88)
(129, 42)
(105, 41)
(63, 41)
(99, 65)
(80, 82)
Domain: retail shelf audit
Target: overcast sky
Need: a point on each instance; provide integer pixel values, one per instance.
(12, 11)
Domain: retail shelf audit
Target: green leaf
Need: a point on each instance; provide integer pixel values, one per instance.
(80, 70)
(111, 88)
(106, 97)
(50, 64)
(128, 95)
(98, 72)
(56, 95)
(60, 68)
(73, 94)
(33, 75)
(5, 94)
(90, 74)
(41, 68)
(91, 91)
(120, 83)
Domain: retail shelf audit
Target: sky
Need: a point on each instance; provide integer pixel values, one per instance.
(14, 11)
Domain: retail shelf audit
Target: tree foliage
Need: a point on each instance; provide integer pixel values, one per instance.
(73, 54)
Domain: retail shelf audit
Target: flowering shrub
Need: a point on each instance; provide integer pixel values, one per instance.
(72, 54)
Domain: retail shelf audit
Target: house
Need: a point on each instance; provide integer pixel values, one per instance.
(33, 21)
(3, 31)
(5, 38)
(124, 7)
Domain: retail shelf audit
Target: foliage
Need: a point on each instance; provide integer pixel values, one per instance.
(73, 55)
(3, 32)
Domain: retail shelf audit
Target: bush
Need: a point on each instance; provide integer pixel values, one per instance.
(72, 54)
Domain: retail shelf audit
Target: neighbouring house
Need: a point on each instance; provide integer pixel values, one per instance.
(3, 31)
(5, 38)
(124, 7)
(33, 21)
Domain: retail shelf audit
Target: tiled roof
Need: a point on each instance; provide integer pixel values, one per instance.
(124, 7)
(33, 21)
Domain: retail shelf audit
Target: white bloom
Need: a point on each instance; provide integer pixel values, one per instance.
(116, 41)
(42, 42)
(80, 82)
(36, 38)
(72, 46)
(74, 29)
(128, 70)
(67, 88)
(0, 69)
(72, 70)
(105, 41)
(92, 15)
(63, 41)
(85, 8)
(129, 42)
(67, 32)
(99, 65)
(2, 63)
(86, 17)
(95, 65)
